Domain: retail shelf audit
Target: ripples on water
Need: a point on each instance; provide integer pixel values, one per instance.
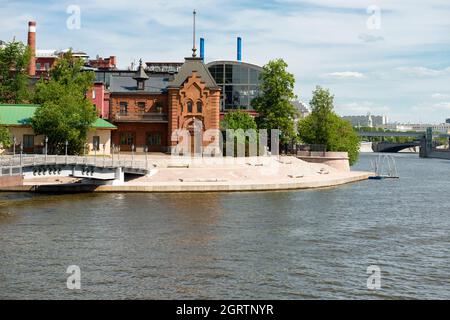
(280, 245)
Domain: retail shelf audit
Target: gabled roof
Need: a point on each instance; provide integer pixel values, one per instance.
(21, 114)
(194, 65)
(126, 84)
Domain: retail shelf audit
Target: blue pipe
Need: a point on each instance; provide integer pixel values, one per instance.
(202, 49)
(239, 49)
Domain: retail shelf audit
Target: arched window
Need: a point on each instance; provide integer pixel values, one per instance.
(199, 107)
(189, 107)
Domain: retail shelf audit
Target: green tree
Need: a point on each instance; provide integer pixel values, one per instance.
(65, 112)
(274, 104)
(5, 138)
(14, 61)
(324, 126)
(238, 120)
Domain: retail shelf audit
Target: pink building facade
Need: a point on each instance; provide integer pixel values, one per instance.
(100, 98)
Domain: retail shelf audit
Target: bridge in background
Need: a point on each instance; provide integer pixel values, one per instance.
(424, 140)
(391, 134)
(382, 134)
(394, 147)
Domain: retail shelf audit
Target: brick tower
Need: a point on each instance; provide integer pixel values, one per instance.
(32, 45)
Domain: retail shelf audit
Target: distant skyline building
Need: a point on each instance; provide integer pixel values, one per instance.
(302, 108)
(419, 127)
(367, 120)
(447, 120)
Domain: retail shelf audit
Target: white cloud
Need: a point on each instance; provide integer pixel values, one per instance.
(370, 37)
(441, 106)
(345, 75)
(361, 108)
(424, 72)
(440, 96)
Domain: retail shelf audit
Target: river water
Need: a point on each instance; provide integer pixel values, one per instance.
(277, 245)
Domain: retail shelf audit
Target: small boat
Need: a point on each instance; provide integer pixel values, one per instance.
(385, 168)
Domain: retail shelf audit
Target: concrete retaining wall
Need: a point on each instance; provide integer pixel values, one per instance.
(337, 160)
(11, 181)
(195, 187)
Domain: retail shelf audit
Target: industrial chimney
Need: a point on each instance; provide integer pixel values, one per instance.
(32, 45)
(239, 49)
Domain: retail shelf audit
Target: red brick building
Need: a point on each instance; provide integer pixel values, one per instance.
(103, 63)
(148, 108)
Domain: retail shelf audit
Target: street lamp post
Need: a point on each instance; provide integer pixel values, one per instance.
(14, 145)
(146, 157)
(46, 149)
(104, 155)
(95, 152)
(112, 152)
(21, 155)
(67, 144)
(84, 153)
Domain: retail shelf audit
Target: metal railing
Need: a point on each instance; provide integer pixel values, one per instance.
(13, 165)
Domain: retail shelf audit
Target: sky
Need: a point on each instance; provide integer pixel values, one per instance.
(385, 57)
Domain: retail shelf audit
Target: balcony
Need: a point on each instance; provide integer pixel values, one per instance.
(144, 117)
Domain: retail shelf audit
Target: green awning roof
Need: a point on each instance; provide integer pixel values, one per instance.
(20, 115)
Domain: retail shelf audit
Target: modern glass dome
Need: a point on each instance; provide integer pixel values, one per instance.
(239, 83)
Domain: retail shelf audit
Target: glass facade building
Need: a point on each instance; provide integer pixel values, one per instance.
(239, 83)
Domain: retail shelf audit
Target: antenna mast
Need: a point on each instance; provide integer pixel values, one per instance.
(194, 50)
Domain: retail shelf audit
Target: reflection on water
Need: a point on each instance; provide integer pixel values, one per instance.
(278, 245)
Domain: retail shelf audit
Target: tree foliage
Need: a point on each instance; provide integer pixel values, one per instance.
(245, 130)
(5, 137)
(324, 126)
(238, 120)
(14, 61)
(274, 103)
(65, 112)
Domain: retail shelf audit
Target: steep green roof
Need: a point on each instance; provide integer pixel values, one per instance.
(20, 115)
(103, 124)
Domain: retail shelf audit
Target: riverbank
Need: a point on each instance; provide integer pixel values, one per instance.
(212, 175)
